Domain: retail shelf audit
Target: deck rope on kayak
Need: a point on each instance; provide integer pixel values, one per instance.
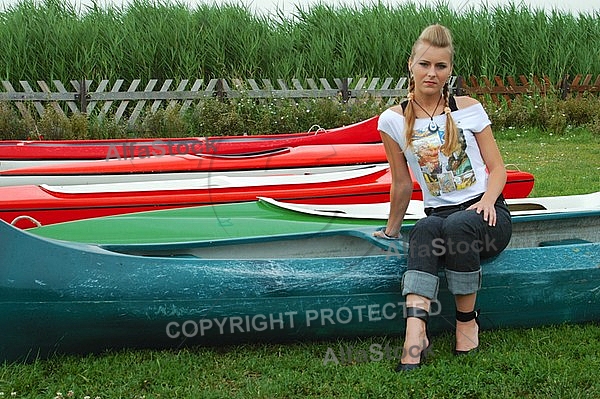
(318, 130)
(26, 217)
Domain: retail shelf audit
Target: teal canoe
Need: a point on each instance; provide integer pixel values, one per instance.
(67, 297)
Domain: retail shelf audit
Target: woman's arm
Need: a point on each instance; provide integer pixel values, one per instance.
(497, 175)
(401, 186)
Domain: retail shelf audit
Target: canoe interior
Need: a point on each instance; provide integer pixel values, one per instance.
(341, 243)
(528, 231)
(542, 229)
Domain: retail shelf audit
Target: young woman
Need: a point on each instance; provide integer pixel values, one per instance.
(447, 143)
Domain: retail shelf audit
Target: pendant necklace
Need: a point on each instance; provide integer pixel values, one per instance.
(433, 127)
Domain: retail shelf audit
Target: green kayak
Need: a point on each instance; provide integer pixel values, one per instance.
(209, 222)
(268, 217)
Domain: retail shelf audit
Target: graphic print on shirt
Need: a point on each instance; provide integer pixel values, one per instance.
(441, 173)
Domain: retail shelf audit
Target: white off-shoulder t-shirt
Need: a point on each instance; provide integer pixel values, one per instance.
(443, 180)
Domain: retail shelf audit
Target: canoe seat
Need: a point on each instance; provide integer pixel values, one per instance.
(566, 241)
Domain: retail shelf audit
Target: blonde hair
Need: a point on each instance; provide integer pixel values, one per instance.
(436, 36)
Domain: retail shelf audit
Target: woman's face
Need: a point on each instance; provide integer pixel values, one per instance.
(431, 68)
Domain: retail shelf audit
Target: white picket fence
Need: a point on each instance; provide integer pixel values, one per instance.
(129, 101)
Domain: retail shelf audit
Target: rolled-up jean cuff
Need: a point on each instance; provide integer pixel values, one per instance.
(420, 283)
(463, 283)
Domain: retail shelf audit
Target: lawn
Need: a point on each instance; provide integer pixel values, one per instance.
(562, 164)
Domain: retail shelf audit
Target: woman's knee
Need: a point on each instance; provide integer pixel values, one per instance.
(429, 224)
(463, 224)
(426, 230)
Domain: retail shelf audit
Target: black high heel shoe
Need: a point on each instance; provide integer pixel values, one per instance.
(423, 315)
(466, 317)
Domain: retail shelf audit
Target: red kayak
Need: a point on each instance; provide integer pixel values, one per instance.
(303, 158)
(52, 204)
(358, 133)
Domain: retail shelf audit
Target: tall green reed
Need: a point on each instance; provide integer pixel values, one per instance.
(167, 39)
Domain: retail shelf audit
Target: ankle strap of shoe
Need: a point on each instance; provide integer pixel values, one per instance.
(418, 313)
(466, 316)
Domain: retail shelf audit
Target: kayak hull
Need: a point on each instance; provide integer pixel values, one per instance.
(35, 150)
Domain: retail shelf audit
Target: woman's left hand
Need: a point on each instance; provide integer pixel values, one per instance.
(487, 208)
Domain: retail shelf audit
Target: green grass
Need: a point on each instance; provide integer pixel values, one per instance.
(562, 164)
(543, 362)
(548, 362)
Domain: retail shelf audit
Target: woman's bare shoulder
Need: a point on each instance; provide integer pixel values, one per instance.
(397, 109)
(465, 101)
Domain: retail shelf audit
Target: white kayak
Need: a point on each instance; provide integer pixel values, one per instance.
(517, 206)
(222, 180)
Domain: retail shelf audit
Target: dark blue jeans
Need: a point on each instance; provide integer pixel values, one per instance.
(457, 239)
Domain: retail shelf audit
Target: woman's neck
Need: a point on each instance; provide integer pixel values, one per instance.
(428, 107)
(428, 101)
